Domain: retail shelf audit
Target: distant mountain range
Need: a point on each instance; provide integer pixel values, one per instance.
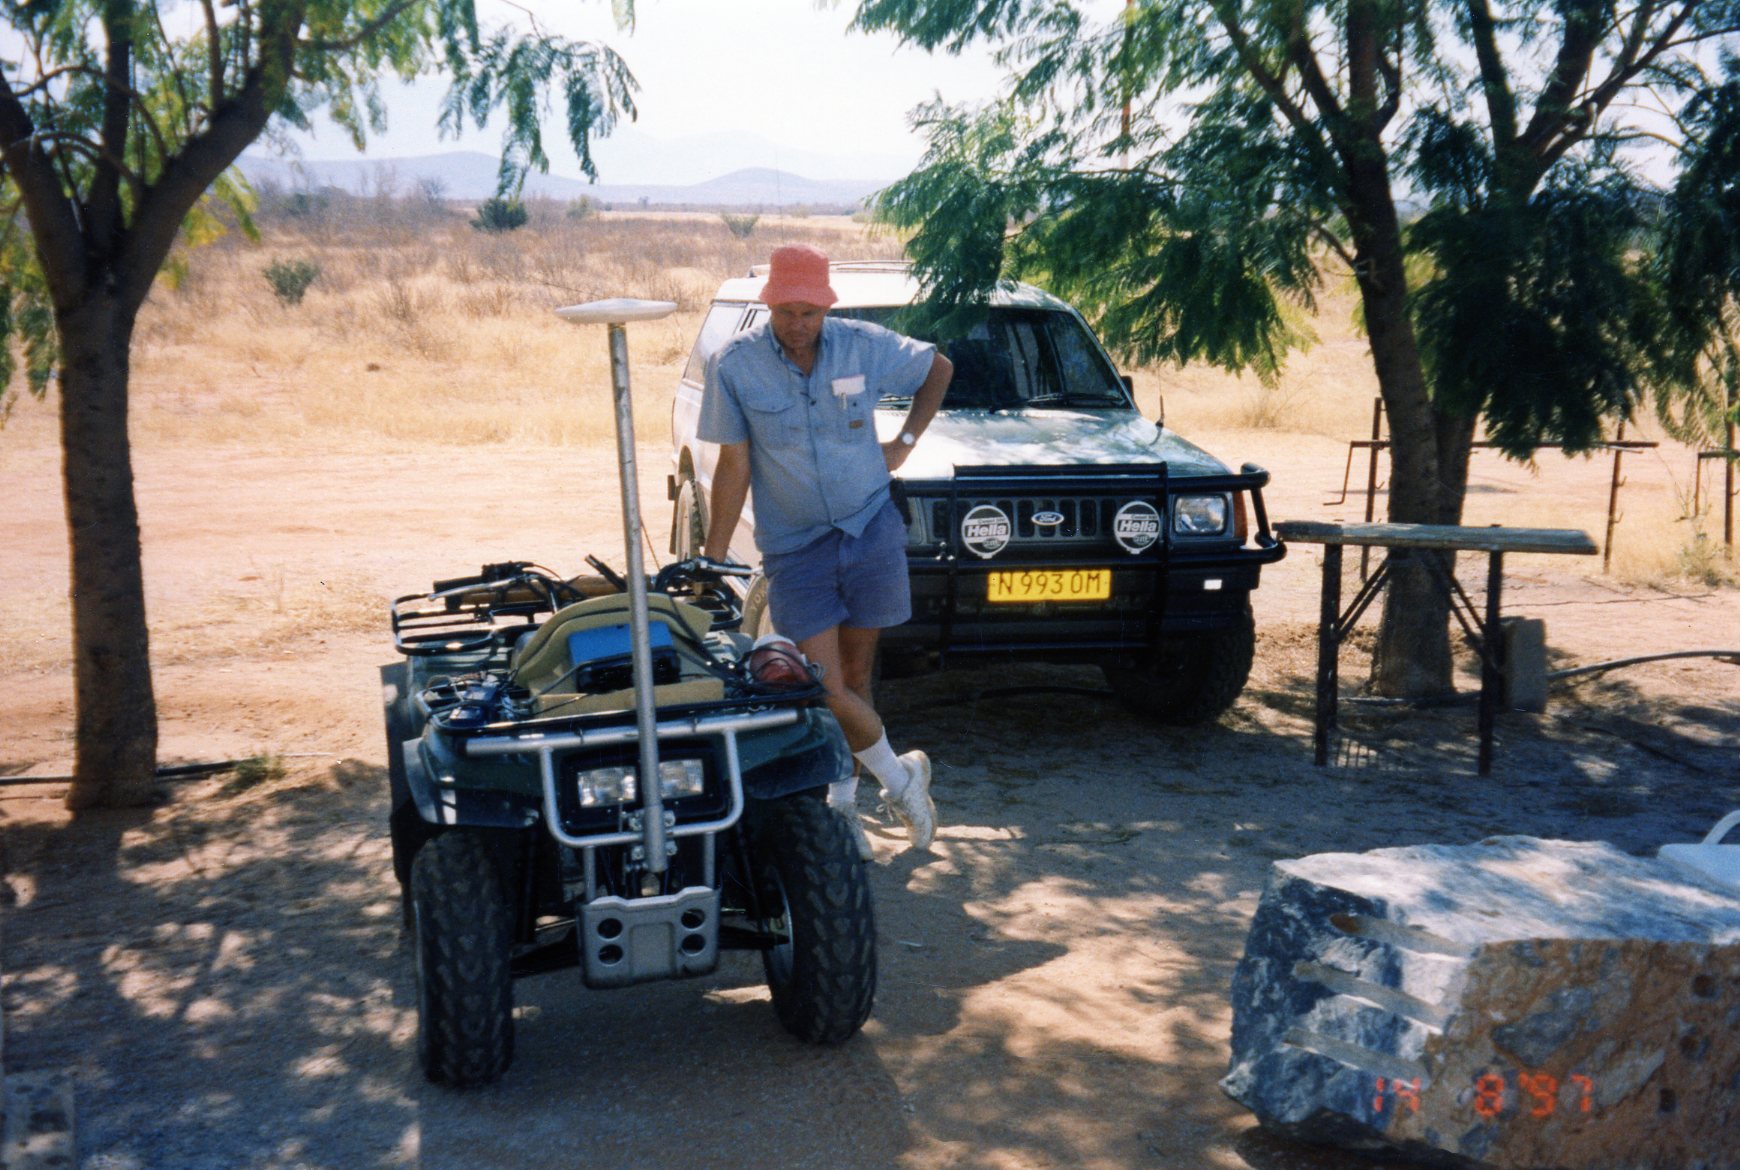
(471, 175)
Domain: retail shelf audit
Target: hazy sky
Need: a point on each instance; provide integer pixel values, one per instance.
(782, 70)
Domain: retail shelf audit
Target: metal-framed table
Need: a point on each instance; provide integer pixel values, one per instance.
(1427, 545)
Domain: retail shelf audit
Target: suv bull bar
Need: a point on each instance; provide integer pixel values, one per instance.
(1153, 483)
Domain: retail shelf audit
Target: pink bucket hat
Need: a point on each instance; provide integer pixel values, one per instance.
(797, 273)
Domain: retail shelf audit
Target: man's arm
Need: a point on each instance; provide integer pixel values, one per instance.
(725, 505)
(926, 401)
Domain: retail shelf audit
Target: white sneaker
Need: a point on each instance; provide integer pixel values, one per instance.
(849, 814)
(914, 806)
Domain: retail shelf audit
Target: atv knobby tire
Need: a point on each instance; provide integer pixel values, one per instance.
(814, 886)
(1192, 680)
(462, 937)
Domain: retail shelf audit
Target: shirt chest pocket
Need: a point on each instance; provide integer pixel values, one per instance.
(854, 419)
(773, 414)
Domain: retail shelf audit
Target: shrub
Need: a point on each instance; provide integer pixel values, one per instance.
(432, 189)
(500, 215)
(302, 204)
(582, 208)
(742, 226)
(290, 279)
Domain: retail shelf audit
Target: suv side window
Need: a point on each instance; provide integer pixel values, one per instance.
(716, 330)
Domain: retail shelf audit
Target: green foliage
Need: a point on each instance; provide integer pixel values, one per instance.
(290, 279)
(1700, 261)
(262, 767)
(1188, 172)
(512, 73)
(1541, 314)
(500, 215)
(741, 225)
(306, 204)
(26, 322)
(584, 207)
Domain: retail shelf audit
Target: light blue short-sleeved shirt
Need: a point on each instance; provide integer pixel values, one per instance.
(814, 460)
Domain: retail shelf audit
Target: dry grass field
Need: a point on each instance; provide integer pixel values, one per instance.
(421, 333)
(224, 977)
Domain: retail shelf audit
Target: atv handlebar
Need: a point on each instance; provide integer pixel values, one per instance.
(696, 570)
(721, 568)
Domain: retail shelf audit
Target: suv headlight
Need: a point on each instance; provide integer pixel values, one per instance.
(618, 784)
(1198, 515)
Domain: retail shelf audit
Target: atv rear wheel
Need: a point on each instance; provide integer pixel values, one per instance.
(1192, 680)
(462, 936)
(815, 890)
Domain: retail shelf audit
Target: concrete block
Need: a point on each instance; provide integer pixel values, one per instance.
(1518, 1003)
(1525, 663)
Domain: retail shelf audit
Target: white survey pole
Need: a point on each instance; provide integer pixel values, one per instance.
(615, 313)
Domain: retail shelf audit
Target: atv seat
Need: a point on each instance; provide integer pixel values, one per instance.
(544, 663)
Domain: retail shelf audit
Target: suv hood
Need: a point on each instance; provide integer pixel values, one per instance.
(1049, 437)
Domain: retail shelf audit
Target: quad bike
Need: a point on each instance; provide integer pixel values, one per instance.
(521, 721)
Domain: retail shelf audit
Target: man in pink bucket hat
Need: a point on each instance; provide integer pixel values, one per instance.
(790, 403)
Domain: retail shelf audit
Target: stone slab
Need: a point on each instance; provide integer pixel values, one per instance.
(1519, 1003)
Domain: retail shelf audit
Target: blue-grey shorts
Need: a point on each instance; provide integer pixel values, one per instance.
(841, 580)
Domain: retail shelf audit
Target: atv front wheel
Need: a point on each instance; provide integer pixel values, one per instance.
(462, 936)
(815, 891)
(1192, 680)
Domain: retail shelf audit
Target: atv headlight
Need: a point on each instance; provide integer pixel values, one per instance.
(617, 785)
(1199, 515)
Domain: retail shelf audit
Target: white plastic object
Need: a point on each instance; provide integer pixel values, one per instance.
(1710, 858)
(616, 311)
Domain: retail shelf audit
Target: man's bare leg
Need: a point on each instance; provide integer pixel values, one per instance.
(847, 655)
(850, 704)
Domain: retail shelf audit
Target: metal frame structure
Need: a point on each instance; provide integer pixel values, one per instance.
(1428, 545)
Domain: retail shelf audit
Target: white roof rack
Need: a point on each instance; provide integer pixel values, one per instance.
(896, 266)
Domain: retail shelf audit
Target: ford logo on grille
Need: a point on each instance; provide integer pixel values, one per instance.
(1048, 519)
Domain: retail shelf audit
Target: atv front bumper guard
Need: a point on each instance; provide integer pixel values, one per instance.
(545, 745)
(623, 941)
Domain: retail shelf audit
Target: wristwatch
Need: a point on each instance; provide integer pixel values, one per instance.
(907, 438)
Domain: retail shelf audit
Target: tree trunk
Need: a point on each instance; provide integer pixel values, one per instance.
(116, 758)
(1413, 647)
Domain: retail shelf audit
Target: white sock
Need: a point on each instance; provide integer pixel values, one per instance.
(883, 764)
(844, 793)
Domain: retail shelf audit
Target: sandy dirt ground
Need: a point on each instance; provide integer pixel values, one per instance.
(225, 975)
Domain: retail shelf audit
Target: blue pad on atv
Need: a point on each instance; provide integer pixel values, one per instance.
(603, 657)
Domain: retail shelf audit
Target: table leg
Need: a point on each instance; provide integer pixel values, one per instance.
(1491, 660)
(1328, 651)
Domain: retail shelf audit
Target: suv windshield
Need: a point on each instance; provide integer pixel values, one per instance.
(1014, 358)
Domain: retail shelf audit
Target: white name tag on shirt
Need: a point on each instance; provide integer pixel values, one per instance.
(847, 387)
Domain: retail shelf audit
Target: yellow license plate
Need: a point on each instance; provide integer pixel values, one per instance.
(1050, 585)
